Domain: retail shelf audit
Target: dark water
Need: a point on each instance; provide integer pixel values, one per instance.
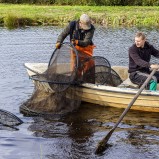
(76, 135)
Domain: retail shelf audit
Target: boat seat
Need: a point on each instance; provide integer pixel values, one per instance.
(128, 84)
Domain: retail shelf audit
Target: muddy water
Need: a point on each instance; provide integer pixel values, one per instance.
(77, 134)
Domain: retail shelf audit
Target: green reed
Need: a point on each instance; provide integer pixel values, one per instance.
(13, 16)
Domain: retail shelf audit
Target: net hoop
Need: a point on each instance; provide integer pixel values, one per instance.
(74, 49)
(57, 80)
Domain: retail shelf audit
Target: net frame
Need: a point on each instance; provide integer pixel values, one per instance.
(61, 84)
(87, 69)
(100, 72)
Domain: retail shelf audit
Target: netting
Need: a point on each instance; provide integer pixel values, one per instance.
(9, 119)
(104, 77)
(97, 70)
(62, 68)
(67, 69)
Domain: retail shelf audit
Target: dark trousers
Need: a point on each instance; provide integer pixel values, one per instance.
(140, 77)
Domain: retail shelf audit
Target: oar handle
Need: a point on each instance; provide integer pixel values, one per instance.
(135, 97)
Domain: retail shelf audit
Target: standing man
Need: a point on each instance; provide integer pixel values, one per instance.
(139, 62)
(81, 34)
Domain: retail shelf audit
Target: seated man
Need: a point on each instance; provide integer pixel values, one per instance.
(139, 62)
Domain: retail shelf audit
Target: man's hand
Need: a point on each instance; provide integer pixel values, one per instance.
(58, 45)
(154, 66)
(74, 42)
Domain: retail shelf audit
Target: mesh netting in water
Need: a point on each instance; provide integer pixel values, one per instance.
(67, 69)
(9, 119)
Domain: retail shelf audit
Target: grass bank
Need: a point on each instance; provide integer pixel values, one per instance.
(13, 16)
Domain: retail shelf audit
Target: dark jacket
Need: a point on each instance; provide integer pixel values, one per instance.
(139, 58)
(84, 37)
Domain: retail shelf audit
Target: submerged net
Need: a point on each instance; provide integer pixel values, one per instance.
(67, 69)
(53, 94)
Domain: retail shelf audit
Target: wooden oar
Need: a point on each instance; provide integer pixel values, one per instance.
(102, 145)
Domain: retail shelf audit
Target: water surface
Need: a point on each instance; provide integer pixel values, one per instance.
(77, 134)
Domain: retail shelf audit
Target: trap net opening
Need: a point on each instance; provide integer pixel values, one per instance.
(67, 70)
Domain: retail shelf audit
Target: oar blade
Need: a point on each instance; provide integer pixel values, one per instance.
(102, 145)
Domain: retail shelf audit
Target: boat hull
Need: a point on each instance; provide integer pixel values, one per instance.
(145, 102)
(107, 95)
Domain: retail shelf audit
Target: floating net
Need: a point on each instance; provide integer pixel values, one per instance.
(67, 70)
(9, 119)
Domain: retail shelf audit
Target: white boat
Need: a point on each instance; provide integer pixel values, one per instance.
(103, 95)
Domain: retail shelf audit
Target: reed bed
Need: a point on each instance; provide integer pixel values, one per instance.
(13, 16)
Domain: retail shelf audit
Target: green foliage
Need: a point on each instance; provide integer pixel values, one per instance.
(28, 1)
(87, 2)
(12, 15)
(10, 21)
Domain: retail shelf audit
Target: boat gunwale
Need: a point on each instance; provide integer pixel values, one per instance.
(99, 87)
(118, 89)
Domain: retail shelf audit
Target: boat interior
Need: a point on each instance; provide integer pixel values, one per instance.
(122, 71)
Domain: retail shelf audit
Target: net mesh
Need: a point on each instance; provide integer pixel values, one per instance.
(62, 68)
(67, 69)
(9, 119)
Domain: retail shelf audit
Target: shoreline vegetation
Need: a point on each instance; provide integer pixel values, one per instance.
(22, 15)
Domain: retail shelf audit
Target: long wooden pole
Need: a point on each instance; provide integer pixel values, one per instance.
(103, 143)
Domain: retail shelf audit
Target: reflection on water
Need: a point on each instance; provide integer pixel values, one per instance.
(77, 134)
